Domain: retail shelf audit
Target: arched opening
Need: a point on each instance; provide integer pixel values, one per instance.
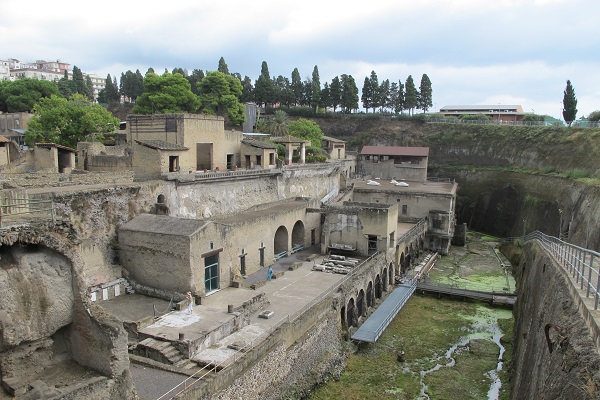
(391, 272)
(280, 245)
(370, 294)
(360, 303)
(378, 287)
(402, 264)
(350, 313)
(343, 318)
(384, 284)
(298, 236)
(160, 199)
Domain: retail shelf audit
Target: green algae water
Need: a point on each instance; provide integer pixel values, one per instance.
(453, 350)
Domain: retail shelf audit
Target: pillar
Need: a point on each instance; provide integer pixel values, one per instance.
(302, 153)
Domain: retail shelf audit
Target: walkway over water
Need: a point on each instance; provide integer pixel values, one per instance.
(374, 326)
(495, 298)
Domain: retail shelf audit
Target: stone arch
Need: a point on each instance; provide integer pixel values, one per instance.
(378, 287)
(280, 243)
(360, 303)
(370, 295)
(160, 199)
(298, 234)
(402, 263)
(350, 320)
(391, 277)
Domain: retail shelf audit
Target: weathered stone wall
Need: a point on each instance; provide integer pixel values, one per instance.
(386, 169)
(545, 296)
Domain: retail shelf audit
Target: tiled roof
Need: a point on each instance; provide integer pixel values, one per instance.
(161, 145)
(289, 139)
(4, 140)
(395, 151)
(259, 144)
(58, 146)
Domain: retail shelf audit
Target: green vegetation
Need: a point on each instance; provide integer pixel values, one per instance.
(306, 129)
(67, 122)
(424, 329)
(168, 94)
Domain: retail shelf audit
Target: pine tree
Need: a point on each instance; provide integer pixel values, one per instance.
(425, 98)
(263, 89)
(375, 91)
(297, 86)
(349, 93)
(335, 93)
(367, 94)
(384, 95)
(411, 96)
(223, 66)
(80, 86)
(569, 104)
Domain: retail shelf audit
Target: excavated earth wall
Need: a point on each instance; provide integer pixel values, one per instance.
(571, 370)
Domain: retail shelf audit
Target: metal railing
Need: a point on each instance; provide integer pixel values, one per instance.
(22, 206)
(582, 264)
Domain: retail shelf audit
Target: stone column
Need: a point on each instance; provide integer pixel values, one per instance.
(302, 153)
(290, 151)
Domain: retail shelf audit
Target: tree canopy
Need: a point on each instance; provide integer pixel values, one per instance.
(411, 96)
(263, 88)
(67, 122)
(21, 95)
(278, 124)
(569, 104)
(303, 128)
(166, 94)
(220, 94)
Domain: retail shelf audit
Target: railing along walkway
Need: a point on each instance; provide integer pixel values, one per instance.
(582, 264)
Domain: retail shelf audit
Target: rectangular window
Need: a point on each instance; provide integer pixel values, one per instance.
(371, 244)
(437, 224)
(258, 160)
(271, 158)
(392, 237)
(375, 159)
(404, 209)
(173, 163)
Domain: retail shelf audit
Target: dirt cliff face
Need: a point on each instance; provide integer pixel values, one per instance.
(572, 369)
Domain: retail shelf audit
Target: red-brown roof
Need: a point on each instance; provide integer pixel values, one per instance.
(395, 151)
(4, 140)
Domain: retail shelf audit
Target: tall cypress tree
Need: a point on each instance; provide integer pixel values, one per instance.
(223, 66)
(335, 93)
(316, 89)
(349, 93)
(425, 98)
(569, 104)
(411, 96)
(297, 86)
(367, 94)
(263, 89)
(80, 86)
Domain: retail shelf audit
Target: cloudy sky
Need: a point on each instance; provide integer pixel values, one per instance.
(474, 51)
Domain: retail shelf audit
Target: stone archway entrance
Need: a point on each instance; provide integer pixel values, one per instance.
(280, 244)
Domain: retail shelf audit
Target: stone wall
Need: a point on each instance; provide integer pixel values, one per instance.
(545, 296)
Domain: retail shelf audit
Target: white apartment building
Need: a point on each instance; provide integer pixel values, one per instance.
(12, 69)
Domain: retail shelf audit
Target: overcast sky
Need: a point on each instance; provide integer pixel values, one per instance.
(474, 51)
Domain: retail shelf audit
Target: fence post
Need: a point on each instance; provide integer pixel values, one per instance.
(590, 275)
(583, 269)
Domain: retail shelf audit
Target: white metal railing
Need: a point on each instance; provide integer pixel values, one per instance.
(582, 264)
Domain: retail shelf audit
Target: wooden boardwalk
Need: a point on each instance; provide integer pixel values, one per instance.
(494, 298)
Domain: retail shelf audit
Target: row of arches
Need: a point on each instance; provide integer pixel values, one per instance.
(405, 259)
(358, 305)
(281, 241)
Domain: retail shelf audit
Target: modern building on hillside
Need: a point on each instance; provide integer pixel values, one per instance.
(13, 69)
(498, 112)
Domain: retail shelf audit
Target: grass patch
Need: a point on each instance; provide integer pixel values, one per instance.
(467, 379)
(423, 330)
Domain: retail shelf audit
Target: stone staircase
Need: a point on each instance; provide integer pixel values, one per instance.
(163, 352)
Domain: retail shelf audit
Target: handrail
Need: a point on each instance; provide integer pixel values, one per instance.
(583, 264)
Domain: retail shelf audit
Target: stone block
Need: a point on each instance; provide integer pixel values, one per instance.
(295, 266)
(266, 314)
